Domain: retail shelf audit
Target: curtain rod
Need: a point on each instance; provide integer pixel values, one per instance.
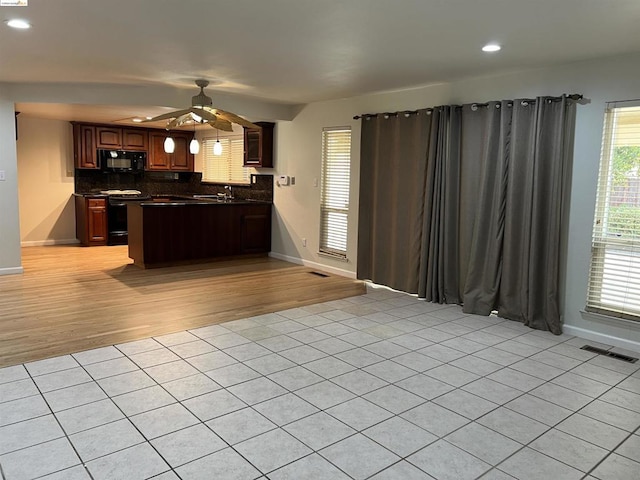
(573, 96)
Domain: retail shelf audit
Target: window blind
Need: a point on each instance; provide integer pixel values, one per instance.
(228, 167)
(334, 202)
(614, 281)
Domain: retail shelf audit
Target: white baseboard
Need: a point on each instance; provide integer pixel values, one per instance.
(42, 243)
(601, 338)
(11, 271)
(319, 266)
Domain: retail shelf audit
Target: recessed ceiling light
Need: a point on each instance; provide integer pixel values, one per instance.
(137, 120)
(18, 23)
(491, 47)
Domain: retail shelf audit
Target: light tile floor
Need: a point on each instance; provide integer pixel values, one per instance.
(379, 386)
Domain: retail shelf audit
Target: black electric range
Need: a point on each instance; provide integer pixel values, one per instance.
(117, 213)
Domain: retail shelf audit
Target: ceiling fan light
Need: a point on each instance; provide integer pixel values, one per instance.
(169, 145)
(194, 147)
(217, 148)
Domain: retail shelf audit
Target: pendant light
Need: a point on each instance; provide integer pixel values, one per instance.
(194, 146)
(217, 147)
(169, 145)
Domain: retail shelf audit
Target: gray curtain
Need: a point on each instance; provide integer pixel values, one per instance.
(439, 256)
(487, 166)
(535, 200)
(392, 175)
(493, 192)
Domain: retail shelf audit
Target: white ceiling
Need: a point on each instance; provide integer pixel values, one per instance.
(300, 51)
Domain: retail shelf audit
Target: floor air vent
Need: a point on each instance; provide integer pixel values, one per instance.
(618, 356)
(323, 275)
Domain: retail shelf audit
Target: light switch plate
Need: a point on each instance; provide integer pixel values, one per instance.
(3, 177)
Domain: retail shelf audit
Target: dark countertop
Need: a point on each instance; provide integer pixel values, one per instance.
(183, 200)
(199, 201)
(90, 195)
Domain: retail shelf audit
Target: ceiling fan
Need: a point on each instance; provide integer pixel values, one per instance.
(202, 111)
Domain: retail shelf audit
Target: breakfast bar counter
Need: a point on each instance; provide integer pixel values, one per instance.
(175, 230)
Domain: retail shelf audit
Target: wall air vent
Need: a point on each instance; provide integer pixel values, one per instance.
(319, 274)
(618, 356)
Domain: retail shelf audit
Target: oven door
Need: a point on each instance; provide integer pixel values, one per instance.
(117, 222)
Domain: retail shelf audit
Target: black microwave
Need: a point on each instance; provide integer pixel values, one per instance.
(122, 161)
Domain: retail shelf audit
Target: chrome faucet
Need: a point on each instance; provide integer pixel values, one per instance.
(227, 188)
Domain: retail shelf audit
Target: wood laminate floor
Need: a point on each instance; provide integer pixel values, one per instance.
(72, 298)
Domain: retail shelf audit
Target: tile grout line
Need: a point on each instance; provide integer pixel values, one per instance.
(613, 451)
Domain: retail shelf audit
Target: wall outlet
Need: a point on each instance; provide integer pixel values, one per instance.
(304, 242)
(293, 180)
(3, 177)
(315, 182)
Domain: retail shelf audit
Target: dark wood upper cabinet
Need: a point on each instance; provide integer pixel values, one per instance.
(258, 145)
(109, 137)
(122, 138)
(84, 146)
(135, 139)
(88, 138)
(157, 159)
(179, 160)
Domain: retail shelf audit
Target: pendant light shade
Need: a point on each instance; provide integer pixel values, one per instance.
(194, 147)
(169, 145)
(217, 148)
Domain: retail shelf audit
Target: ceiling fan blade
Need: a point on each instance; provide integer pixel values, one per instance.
(177, 122)
(232, 117)
(213, 119)
(166, 116)
(222, 124)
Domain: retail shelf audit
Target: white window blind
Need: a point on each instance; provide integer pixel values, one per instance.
(614, 283)
(228, 167)
(334, 203)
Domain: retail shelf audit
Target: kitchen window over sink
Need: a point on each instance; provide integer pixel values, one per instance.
(227, 167)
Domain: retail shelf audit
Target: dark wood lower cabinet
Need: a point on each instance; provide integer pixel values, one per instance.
(91, 220)
(170, 234)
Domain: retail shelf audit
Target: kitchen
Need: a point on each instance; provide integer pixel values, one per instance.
(121, 171)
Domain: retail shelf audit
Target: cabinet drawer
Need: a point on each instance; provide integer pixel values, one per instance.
(96, 202)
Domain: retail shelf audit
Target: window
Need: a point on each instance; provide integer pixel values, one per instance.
(614, 283)
(334, 202)
(228, 167)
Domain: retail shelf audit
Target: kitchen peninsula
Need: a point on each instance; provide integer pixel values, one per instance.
(187, 229)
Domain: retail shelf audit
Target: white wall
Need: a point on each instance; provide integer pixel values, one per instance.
(297, 208)
(10, 261)
(45, 181)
